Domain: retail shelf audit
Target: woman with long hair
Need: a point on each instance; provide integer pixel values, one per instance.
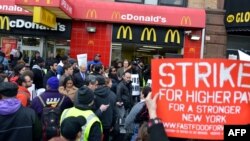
(68, 88)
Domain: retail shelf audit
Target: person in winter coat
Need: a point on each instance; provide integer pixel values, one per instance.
(124, 94)
(130, 122)
(51, 97)
(16, 122)
(103, 95)
(51, 72)
(38, 73)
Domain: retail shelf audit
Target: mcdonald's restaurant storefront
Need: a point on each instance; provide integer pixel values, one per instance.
(237, 23)
(19, 32)
(126, 31)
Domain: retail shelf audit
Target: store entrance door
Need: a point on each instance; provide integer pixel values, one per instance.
(29, 52)
(61, 51)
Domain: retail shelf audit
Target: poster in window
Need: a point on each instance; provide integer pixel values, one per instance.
(8, 44)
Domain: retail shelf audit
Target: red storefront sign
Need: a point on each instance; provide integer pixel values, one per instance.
(199, 96)
(63, 5)
(9, 7)
(140, 14)
(115, 12)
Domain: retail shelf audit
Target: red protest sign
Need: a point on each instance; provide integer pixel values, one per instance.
(199, 96)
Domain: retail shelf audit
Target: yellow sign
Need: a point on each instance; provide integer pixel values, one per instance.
(4, 22)
(124, 30)
(230, 18)
(44, 17)
(149, 32)
(186, 20)
(116, 15)
(91, 13)
(242, 17)
(172, 36)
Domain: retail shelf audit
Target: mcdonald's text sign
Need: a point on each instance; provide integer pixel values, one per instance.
(4, 23)
(148, 35)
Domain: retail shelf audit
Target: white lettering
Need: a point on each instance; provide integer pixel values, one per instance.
(171, 75)
(202, 75)
(154, 19)
(184, 71)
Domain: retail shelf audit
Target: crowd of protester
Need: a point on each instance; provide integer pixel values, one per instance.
(87, 103)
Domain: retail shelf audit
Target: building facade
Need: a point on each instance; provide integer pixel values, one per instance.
(173, 28)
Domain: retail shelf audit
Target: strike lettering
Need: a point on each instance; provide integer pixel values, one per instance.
(212, 75)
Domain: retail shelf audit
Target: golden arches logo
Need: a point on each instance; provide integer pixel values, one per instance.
(192, 50)
(4, 22)
(91, 13)
(186, 20)
(172, 36)
(124, 30)
(47, 1)
(91, 42)
(116, 15)
(149, 32)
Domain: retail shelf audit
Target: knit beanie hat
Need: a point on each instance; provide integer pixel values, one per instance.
(53, 82)
(71, 126)
(8, 89)
(84, 96)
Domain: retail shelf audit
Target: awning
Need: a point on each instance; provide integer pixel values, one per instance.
(61, 8)
(237, 18)
(116, 12)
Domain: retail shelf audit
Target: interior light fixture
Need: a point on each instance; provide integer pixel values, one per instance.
(116, 44)
(143, 50)
(195, 37)
(146, 49)
(91, 29)
(152, 47)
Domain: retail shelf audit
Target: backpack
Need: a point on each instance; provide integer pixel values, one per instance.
(51, 119)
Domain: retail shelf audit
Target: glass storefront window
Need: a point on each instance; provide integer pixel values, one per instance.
(31, 41)
(181, 3)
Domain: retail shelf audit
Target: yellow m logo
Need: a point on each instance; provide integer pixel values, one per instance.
(186, 20)
(91, 42)
(124, 30)
(149, 32)
(91, 13)
(116, 15)
(4, 22)
(172, 36)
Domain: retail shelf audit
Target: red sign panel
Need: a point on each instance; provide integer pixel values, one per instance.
(64, 5)
(9, 7)
(7, 45)
(198, 97)
(140, 14)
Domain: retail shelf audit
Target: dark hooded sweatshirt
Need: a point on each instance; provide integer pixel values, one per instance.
(17, 122)
(103, 95)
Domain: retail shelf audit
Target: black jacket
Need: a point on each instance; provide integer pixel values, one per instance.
(124, 94)
(49, 74)
(157, 131)
(21, 125)
(38, 76)
(103, 95)
(79, 82)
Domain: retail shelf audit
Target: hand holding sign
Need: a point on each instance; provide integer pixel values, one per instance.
(151, 104)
